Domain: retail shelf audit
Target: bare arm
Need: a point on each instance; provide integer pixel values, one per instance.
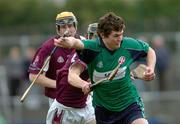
(151, 58)
(75, 80)
(69, 42)
(43, 80)
(151, 61)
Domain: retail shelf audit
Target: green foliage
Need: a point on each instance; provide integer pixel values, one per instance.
(139, 15)
(26, 12)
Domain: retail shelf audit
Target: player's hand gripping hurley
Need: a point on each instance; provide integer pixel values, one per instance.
(44, 65)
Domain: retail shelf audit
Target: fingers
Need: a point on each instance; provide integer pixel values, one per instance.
(132, 76)
(57, 42)
(149, 77)
(149, 74)
(62, 42)
(86, 88)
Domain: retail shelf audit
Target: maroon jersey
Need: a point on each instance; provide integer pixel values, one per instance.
(57, 61)
(69, 95)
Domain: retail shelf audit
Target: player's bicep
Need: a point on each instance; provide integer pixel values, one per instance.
(76, 68)
(74, 74)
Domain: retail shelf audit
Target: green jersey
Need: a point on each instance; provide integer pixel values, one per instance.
(119, 93)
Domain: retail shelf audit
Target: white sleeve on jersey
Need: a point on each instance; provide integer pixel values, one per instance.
(46, 67)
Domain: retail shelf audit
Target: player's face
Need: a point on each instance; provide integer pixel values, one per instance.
(113, 41)
(70, 27)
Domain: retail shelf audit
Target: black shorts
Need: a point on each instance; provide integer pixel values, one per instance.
(127, 116)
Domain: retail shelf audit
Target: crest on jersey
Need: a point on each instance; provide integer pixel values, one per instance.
(121, 60)
(60, 59)
(100, 64)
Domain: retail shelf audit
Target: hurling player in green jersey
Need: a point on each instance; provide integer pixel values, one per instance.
(116, 101)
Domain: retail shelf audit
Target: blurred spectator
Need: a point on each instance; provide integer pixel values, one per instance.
(33, 101)
(154, 121)
(163, 60)
(14, 69)
(30, 52)
(143, 38)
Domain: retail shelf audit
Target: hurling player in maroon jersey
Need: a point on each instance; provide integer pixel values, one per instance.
(65, 21)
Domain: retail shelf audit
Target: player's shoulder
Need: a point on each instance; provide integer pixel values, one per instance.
(129, 39)
(129, 42)
(48, 44)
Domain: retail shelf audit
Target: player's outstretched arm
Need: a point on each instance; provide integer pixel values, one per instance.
(69, 42)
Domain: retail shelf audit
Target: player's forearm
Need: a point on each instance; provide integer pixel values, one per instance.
(69, 42)
(43, 81)
(78, 44)
(151, 58)
(75, 80)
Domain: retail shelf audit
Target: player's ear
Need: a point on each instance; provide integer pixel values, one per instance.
(102, 35)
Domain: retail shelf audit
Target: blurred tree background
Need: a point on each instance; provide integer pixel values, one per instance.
(38, 16)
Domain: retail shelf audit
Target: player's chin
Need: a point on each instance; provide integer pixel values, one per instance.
(116, 46)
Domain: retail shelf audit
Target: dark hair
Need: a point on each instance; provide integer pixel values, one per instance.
(110, 22)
